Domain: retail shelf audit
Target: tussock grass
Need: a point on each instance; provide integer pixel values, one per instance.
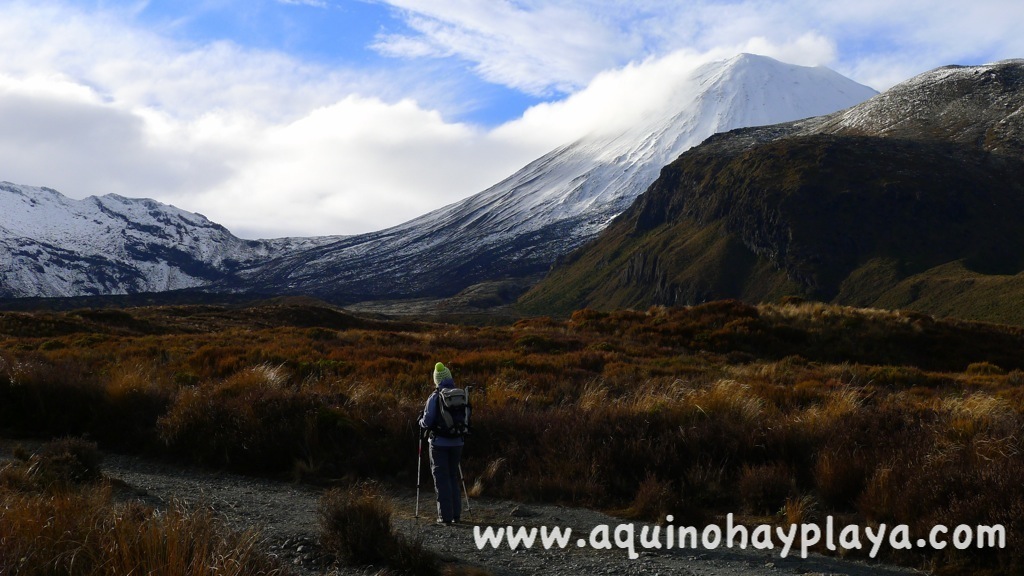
(355, 526)
(791, 411)
(86, 534)
(57, 517)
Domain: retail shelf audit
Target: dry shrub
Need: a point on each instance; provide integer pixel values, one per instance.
(593, 396)
(881, 499)
(704, 485)
(984, 369)
(764, 488)
(57, 466)
(68, 461)
(496, 471)
(180, 541)
(355, 526)
(949, 485)
(655, 498)
(857, 439)
(47, 398)
(800, 509)
(840, 477)
(136, 396)
(506, 390)
(599, 410)
(656, 395)
(980, 414)
(728, 399)
(840, 404)
(85, 534)
(217, 361)
(787, 398)
(251, 420)
(57, 518)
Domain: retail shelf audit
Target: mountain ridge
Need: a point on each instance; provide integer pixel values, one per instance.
(556, 203)
(841, 208)
(55, 246)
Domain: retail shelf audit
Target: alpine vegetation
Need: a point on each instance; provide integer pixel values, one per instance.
(782, 414)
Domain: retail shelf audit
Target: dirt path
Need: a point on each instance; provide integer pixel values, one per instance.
(285, 514)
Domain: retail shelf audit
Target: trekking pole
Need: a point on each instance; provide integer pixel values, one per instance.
(469, 414)
(419, 469)
(463, 478)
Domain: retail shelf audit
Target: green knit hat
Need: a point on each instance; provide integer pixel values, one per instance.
(441, 374)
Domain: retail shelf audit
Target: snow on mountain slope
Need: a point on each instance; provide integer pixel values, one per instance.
(965, 104)
(523, 224)
(911, 199)
(51, 245)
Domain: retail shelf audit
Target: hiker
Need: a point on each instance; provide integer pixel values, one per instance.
(446, 428)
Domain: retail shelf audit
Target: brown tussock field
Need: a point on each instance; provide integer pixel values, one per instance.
(782, 413)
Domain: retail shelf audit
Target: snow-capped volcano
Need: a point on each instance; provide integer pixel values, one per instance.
(52, 245)
(520, 226)
(911, 200)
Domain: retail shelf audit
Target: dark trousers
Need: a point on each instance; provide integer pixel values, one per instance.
(444, 466)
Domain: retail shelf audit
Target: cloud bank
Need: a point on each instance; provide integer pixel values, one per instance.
(269, 144)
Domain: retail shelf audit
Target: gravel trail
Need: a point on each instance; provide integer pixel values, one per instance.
(285, 515)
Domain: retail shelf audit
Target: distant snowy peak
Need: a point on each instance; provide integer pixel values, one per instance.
(45, 215)
(749, 90)
(744, 91)
(602, 174)
(52, 245)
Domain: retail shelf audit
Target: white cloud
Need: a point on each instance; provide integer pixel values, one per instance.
(542, 48)
(616, 100)
(267, 144)
(354, 166)
(556, 46)
(358, 165)
(260, 142)
(61, 134)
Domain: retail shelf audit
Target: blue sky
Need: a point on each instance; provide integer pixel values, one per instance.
(333, 34)
(309, 117)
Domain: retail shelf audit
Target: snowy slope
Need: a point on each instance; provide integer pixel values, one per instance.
(51, 245)
(520, 226)
(965, 104)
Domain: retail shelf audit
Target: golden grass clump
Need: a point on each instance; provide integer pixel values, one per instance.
(980, 413)
(356, 527)
(728, 399)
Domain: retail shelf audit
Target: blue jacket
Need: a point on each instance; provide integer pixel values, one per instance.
(431, 412)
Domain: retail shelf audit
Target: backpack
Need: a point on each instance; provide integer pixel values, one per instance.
(453, 413)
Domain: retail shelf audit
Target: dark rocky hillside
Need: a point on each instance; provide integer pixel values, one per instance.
(883, 204)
